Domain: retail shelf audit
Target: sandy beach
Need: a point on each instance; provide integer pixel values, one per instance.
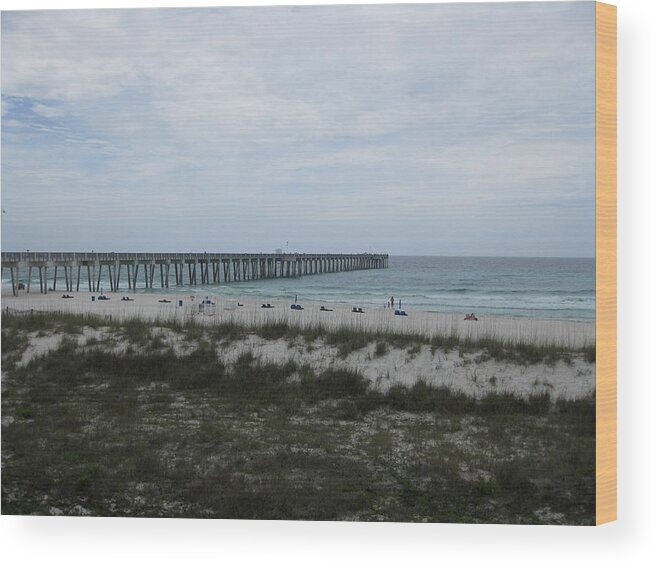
(466, 373)
(149, 306)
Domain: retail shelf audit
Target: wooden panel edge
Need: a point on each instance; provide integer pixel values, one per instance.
(606, 264)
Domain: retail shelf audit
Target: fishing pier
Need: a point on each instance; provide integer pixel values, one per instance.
(159, 270)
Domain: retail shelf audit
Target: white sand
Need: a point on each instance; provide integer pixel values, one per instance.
(439, 368)
(464, 372)
(147, 306)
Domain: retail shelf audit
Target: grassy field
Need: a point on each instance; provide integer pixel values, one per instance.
(123, 425)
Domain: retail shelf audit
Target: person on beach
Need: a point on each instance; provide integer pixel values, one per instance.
(392, 301)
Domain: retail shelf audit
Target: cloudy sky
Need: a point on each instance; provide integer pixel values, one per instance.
(453, 129)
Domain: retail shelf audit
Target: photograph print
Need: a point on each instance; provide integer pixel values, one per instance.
(300, 263)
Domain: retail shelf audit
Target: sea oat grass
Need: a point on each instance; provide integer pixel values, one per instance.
(150, 431)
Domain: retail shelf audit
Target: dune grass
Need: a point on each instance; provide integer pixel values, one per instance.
(148, 432)
(347, 339)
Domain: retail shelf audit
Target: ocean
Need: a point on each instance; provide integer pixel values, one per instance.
(557, 288)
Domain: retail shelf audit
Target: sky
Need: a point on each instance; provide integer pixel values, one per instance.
(444, 129)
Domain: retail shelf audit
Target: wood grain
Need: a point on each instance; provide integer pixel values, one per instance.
(606, 187)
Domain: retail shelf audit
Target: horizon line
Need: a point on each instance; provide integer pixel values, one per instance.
(334, 253)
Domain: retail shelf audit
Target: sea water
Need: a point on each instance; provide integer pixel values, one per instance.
(560, 288)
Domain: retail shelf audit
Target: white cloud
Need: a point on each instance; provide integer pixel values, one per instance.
(47, 111)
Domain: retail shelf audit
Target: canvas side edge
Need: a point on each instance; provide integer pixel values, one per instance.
(606, 263)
